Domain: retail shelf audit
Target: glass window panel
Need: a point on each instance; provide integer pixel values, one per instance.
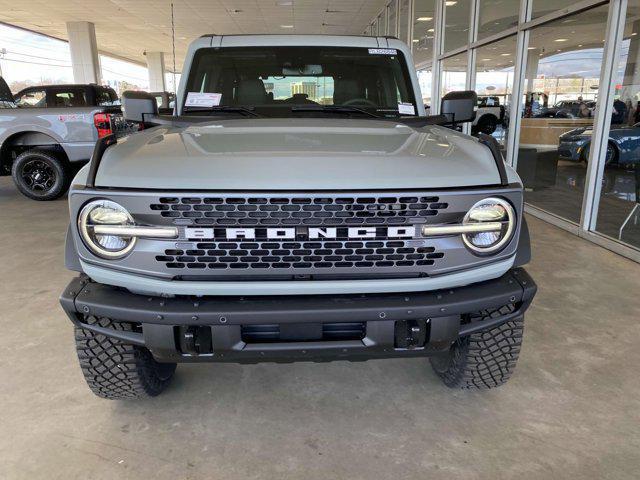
(454, 73)
(497, 16)
(562, 76)
(404, 20)
(374, 28)
(543, 7)
(382, 23)
(457, 20)
(619, 206)
(494, 83)
(392, 12)
(424, 80)
(423, 30)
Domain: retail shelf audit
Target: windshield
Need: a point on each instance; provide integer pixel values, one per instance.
(272, 80)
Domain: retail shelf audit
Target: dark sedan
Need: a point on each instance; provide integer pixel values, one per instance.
(623, 147)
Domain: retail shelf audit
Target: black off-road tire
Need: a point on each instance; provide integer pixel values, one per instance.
(40, 175)
(481, 360)
(115, 370)
(487, 124)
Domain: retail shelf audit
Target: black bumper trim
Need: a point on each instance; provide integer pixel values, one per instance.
(444, 309)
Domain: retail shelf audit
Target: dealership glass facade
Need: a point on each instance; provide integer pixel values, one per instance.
(558, 85)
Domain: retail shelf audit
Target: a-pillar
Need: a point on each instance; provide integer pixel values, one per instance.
(84, 52)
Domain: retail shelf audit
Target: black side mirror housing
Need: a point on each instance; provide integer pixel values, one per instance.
(459, 107)
(138, 105)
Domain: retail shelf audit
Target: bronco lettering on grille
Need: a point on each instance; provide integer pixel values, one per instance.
(299, 233)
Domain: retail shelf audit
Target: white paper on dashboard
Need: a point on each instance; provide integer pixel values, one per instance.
(198, 99)
(406, 109)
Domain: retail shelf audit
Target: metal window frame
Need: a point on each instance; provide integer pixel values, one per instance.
(614, 30)
(602, 120)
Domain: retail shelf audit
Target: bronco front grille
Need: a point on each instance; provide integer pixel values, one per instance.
(300, 255)
(300, 210)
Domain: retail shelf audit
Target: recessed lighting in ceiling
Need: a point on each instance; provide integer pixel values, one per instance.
(284, 3)
(424, 19)
(286, 26)
(485, 59)
(531, 48)
(634, 34)
(505, 54)
(450, 3)
(561, 40)
(415, 40)
(431, 30)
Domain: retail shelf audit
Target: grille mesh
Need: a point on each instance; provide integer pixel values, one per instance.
(274, 211)
(300, 255)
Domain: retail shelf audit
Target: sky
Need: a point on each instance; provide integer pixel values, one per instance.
(36, 58)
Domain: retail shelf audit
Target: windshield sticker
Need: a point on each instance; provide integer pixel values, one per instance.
(406, 109)
(383, 51)
(197, 99)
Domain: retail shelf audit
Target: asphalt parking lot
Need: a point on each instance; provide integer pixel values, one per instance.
(571, 410)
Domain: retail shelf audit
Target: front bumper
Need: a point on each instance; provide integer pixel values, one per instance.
(570, 150)
(299, 328)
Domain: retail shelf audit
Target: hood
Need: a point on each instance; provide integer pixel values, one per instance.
(577, 132)
(297, 154)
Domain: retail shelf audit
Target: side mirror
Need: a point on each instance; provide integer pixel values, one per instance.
(138, 105)
(459, 107)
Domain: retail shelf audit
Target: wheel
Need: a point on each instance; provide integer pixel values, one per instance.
(610, 158)
(481, 360)
(40, 175)
(487, 124)
(115, 370)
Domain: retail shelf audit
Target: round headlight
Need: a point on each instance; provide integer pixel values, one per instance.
(498, 216)
(105, 212)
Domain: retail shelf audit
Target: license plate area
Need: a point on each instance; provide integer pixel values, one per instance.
(303, 332)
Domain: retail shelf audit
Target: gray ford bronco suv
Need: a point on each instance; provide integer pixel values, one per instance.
(298, 206)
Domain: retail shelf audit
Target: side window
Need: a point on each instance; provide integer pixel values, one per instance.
(32, 98)
(69, 98)
(105, 97)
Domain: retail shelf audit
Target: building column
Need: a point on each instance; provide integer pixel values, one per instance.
(84, 52)
(531, 69)
(155, 66)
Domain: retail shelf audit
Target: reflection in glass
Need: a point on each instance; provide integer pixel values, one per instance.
(423, 30)
(405, 6)
(497, 16)
(457, 19)
(561, 83)
(424, 80)
(619, 207)
(392, 13)
(382, 23)
(454, 73)
(494, 83)
(543, 7)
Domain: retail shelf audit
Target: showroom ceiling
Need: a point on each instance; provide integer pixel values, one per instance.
(126, 28)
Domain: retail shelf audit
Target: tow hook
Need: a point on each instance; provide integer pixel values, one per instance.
(411, 334)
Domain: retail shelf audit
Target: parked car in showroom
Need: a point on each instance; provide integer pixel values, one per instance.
(300, 206)
(489, 116)
(51, 132)
(623, 147)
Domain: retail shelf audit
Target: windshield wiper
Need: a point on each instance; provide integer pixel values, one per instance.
(333, 108)
(247, 111)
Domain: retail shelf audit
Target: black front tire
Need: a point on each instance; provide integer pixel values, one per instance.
(482, 360)
(487, 124)
(115, 370)
(40, 175)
